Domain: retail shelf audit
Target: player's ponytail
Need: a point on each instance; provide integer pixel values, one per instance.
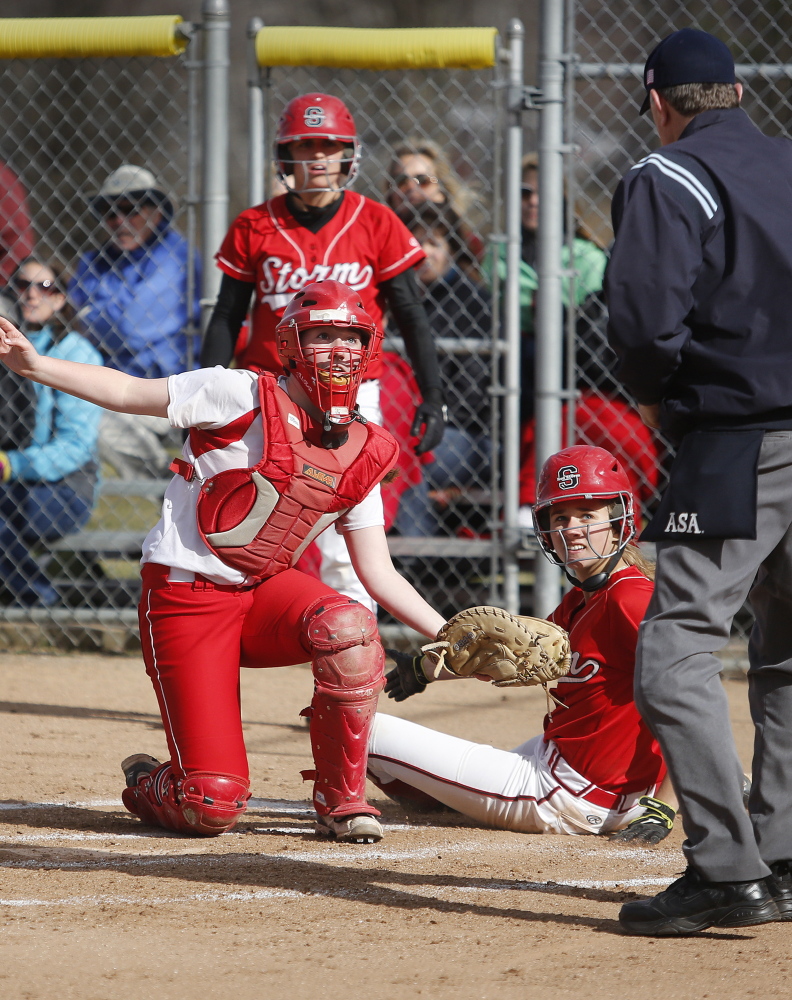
(633, 556)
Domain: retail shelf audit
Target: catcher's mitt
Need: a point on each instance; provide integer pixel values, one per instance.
(513, 650)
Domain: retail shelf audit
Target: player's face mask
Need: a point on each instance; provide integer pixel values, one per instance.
(317, 164)
(326, 341)
(334, 361)
(581, 531)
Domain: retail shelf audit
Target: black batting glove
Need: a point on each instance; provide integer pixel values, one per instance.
(407, 678)
(653, 825)
(432, 417)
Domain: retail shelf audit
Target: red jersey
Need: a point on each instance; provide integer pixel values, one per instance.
(363, 245)
(599, 731)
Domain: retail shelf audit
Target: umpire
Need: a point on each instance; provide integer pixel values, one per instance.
(699, 288)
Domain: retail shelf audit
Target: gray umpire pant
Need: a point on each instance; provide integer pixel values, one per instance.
(700, 586)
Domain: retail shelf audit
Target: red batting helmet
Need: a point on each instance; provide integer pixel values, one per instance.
(316, 116)
(331, 383)
(583, 472)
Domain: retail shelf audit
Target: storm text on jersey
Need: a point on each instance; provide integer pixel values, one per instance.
(280, 279)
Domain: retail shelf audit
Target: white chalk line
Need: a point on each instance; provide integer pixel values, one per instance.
(265, 894)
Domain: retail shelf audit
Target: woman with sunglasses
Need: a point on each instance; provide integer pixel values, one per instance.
(47, 486)
(420, 175)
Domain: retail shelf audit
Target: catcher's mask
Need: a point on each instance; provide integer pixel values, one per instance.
(314, 116)
(585, 473)
(331, 378)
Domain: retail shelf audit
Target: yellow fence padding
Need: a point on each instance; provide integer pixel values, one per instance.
(377, 48)
(82, 37)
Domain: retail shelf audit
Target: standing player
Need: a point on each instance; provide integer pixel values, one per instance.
(268, 464)
(318, 230)
(596, 766)
(699, 316)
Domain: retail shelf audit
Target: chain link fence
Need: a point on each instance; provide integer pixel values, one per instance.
(432, 149)
(99, 264)
(611, 43)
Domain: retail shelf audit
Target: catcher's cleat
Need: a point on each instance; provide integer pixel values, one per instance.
(653, 825)
(135, 766)
(361, 829)
(692, 904)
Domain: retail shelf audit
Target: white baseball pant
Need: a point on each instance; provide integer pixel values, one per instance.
(531, 789)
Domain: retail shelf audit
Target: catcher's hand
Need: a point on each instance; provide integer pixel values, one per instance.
(653, 825)
(407, 678)
(510, 649)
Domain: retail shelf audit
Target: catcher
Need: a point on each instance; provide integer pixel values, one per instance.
(596, 766)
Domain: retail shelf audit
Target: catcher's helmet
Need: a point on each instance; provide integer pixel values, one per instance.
(583, 472)
(331, 384)
(316, 116)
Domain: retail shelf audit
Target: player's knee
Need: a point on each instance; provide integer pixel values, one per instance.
(344, 644)
(212, 803)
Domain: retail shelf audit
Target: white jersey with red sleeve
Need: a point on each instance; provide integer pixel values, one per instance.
(221, 408)
(597, 728)
(362, 245)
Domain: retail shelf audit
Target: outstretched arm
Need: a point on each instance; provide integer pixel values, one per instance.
(368, 549)
(106, 387)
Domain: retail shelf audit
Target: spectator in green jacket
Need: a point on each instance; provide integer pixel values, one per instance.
(587, 259)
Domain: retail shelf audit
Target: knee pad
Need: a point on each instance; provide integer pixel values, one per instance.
(343, 641)
(198, 803)
(211, 803)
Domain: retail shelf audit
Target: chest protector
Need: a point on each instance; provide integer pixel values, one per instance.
(261, 520)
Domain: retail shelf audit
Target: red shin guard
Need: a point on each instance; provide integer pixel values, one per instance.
(348, 662)
(198, 803)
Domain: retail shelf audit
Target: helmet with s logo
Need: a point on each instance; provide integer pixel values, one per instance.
(316, 116)
(584, 472)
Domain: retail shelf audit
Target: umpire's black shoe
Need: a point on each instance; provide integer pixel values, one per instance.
(691, 904)
(780, 886)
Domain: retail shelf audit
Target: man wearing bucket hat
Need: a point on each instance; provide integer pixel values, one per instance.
(698, 296)
(131, 297)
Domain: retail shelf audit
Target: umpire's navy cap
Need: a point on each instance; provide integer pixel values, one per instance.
(687, 56)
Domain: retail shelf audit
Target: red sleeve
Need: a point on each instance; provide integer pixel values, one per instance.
(397, 248)
(234, 256)
(627, 606)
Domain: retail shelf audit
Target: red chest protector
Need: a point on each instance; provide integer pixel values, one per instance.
(260, 520)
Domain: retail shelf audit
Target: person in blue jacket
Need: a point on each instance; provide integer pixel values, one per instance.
(131, 295)
(47, 487)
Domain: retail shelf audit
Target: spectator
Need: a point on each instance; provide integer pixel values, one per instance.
(47, 486)
(420, 174)
(16, 229)
(457, 307)
(131, 294)
(588, 261)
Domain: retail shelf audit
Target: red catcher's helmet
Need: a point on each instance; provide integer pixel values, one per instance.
(583, 472)
(316, 116)
(332, 385)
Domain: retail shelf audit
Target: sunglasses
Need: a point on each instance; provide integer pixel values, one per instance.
(43, 287)
(422, 180)
(123, 211)
(527, 190)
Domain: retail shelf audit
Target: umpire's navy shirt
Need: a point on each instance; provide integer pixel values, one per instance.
(699, 284)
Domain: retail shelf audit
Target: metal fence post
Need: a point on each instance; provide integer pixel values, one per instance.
(511, 322)
(256, 157)
(216, 26)
(549, 308)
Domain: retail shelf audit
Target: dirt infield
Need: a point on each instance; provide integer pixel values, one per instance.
(97, 907)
